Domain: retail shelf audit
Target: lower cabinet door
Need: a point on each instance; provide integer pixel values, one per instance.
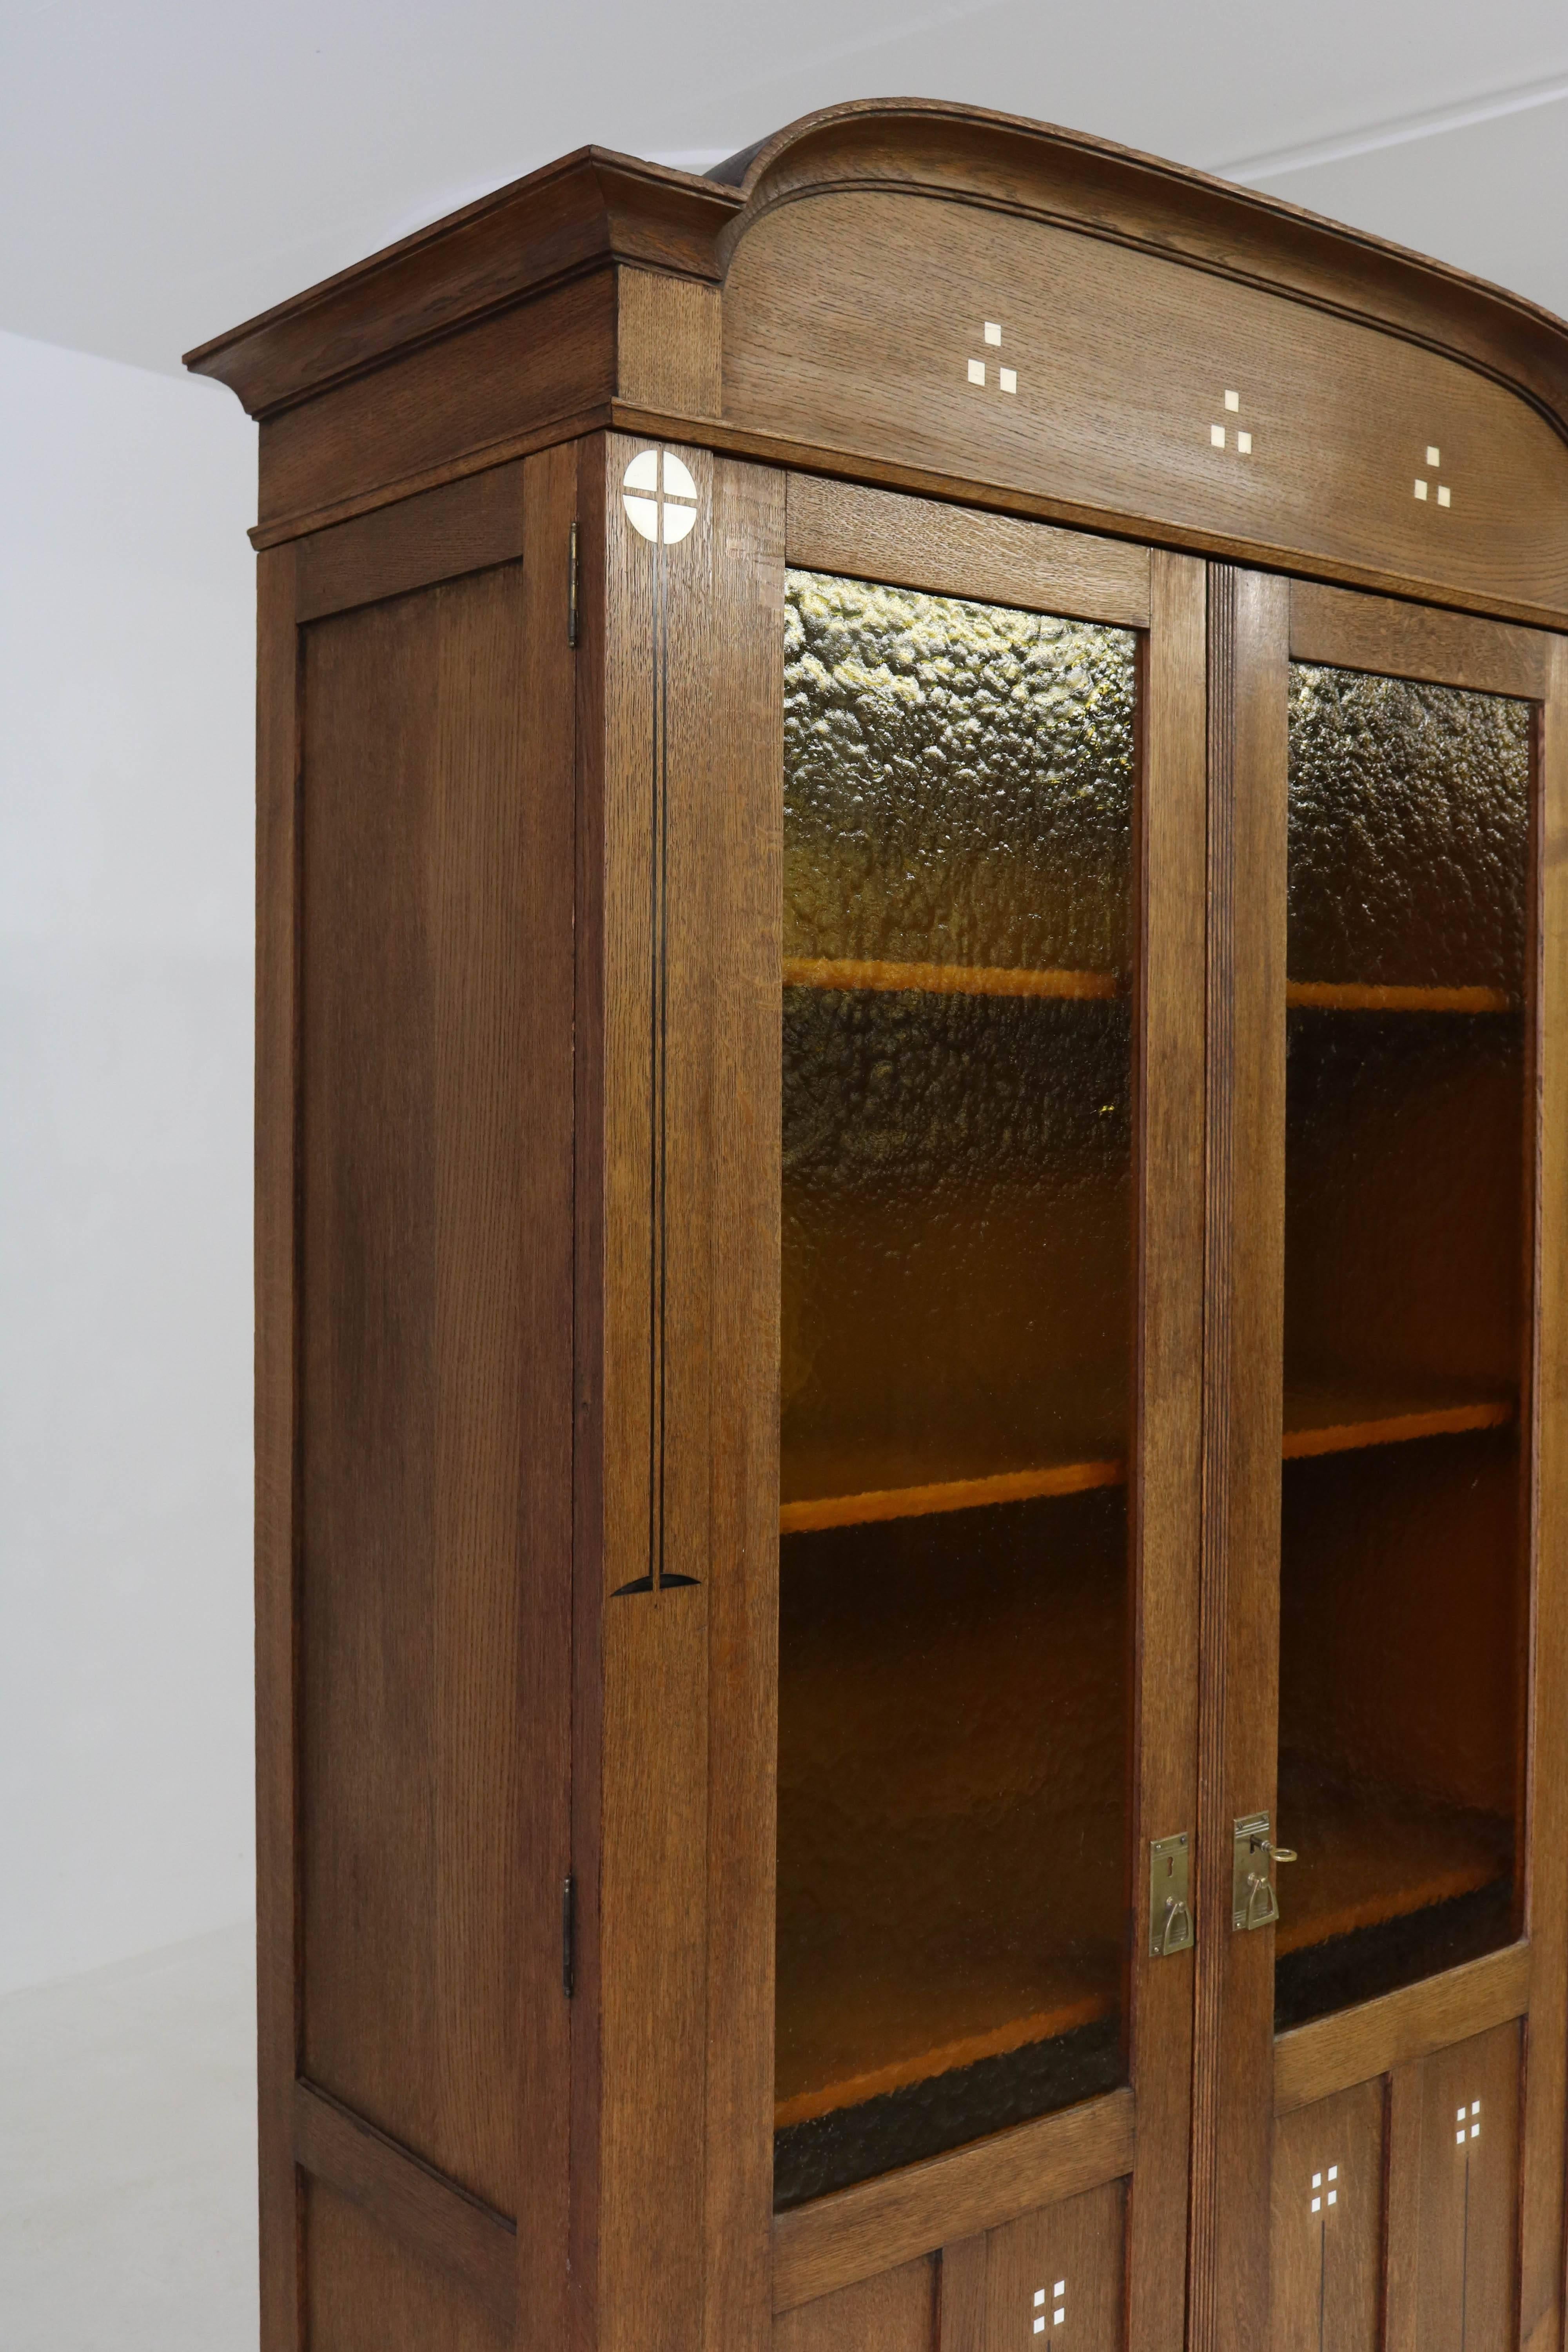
(1397, 2207)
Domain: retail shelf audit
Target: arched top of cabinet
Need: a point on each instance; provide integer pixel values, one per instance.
(962, 302)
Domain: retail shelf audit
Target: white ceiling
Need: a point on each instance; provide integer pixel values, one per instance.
(166, 169)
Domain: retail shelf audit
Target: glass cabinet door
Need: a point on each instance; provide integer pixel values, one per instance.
(1403, 1580)
(960, 781)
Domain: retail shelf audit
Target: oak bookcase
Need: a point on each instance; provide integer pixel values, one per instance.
(912, 1110)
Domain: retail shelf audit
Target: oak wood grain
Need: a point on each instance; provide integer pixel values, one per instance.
(412, 1372)
(1072, 2254)
(542, 946)
(588, 1535)
(1243, 1415)
(868, 534)
(457, 2233)
(1376, 2037)
(500, 376)
(371, 2290)
(857, 2231)
(1122, 358)
(1347, 631)
(435, 536)
(667, 342)
(895, 2312)
(652, 1192)
(276, 1404)
(1467, 2245)
(1402, 2208)
(1002, 160)
(1326, 2272)
(961, 2295)
(586, 211)
(1167, 1495)
(742, 895)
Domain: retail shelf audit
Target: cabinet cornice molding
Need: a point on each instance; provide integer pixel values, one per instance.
(583, 214)
(1074, 180)
(594, 207)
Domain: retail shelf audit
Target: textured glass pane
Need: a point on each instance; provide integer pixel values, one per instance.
(956, 1319)
(958, 781)
(1402, 1561)
(1408, 832)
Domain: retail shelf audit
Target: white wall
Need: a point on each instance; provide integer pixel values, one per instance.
(125, 1069)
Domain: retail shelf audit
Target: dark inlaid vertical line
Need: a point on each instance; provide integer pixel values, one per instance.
(1212, 1847)
(1465, 2261)
(659, 843)
(1322, 2280)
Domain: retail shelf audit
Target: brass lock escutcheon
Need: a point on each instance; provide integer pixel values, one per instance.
(1253, 1901)
(1170, 1916)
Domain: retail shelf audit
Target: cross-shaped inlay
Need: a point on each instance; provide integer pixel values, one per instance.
(1057, 2307)
(659, 500)
(979, 370)
(1422, 481)
(1324, 2192)
(1219, 434)
(1469, 2126)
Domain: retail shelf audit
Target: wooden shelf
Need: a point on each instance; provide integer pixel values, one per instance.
(1372, 1855)
(1356, 996)
(1333, 1420)
(849, 972)
(899, 2015)
(945, 978)
(951, 1494)
(1318, 1421)
(893, 2000)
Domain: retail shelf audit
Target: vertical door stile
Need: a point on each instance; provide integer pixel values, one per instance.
(1243, 1309)
(1546, 2046)
(1167, 1492)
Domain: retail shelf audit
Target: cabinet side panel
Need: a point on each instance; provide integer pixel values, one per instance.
(367, 2294)
(276, 1921)
(544, 954)
(415, 1252)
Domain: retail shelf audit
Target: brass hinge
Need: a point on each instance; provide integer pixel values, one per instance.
(569, 1936)
(573, 569)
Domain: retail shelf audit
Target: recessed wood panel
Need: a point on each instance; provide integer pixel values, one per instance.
(417, 1248)
(364, 2292)
(856, 319)
(1325, 2286)
(893, 2312)
(1468, 2198)
(1063, 2266)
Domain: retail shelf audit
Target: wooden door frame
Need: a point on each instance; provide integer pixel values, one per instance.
(1141, 2132)
(1250, 2075)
